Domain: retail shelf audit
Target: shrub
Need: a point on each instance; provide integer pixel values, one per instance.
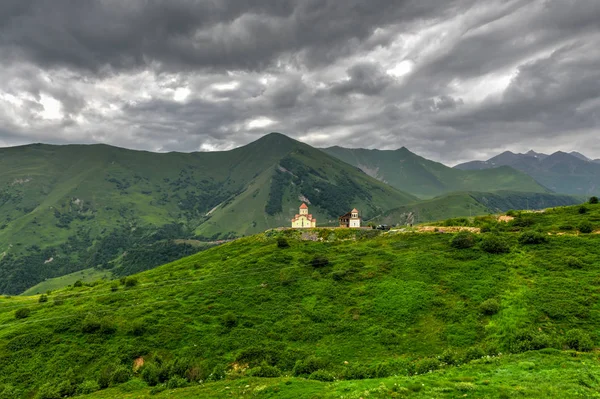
(176, 382)
(87, 387)
(120, 375)
(319, 261)
(104, 376)
(321, 375)
(450, 357)
(229, 320)
(22, 313)
(494, 244)
(91, 324)
(474, 353)
(43, 298)
(585, 227)
(151, 374)
(578, 340)
(582, 209)
(308, 366)
(426, 365)
(593, 200)
(282, 243)
(78, 283)
(264, 370)
(574, 263)
(10, 392)
(463, 240)
(490, 307)
(219, 372)
(532, 238)
(114, 287)
(48, 391)
(131, 282)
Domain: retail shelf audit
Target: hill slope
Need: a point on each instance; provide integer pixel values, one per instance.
(565, 173)
(414, 174)
(463, 204)
(69, 208)
(356, 305)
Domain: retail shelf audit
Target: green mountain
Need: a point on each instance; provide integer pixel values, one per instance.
(75, 207)
(463, 204)
(571, 173)
(414, 174)
(284, 314)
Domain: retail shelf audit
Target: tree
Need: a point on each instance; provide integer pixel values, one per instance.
(22, 313)
(594, 200)
(586, 227)
(463, 240)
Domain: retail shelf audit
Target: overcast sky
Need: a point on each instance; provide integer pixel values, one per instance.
(452, 80)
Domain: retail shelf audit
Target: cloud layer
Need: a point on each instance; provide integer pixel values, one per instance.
(453, 82)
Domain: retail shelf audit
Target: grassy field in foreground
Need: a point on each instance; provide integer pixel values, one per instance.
(536, 374)
(303, 303)
(85, 276)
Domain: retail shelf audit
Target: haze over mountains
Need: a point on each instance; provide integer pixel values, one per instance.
(569, 173)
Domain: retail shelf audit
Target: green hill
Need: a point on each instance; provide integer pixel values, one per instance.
(69, 208)
(414, 174)
(463, 204)
(329, 305)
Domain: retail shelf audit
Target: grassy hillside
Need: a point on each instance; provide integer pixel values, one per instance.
(334, 304)
(85, 276)
(68, 208)
(464, 204)
(414, 174)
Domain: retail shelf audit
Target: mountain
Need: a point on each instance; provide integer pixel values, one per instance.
(463, 204)
(74, 207)
(561, 172)
(419, 176)
(511, 311)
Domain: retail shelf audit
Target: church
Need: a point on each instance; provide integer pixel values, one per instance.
(350, 219)
(304, 220)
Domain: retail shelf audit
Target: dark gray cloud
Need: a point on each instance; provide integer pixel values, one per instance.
(451, 80)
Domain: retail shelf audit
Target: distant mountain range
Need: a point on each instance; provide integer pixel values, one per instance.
(409, 172)
(567, 173)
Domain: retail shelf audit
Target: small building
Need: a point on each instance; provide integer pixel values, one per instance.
(304, 220)
(350, 219)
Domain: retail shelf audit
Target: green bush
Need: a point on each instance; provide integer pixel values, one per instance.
(91, 324)
(578, 340)
(593, 200)
(78, 283)
(282, 243)
(264, 370)
(582, 210)
(176, 382)
(48, 391)
(585, 227)
(532, 238)
(22, 313)
(131, 282)
(463, 240)
(308, 366)
(319, 261)
(43, 298)
(229, 320)
(490, 307)
(151, 374)
(321, 375)
(87, 387)
(120, 375)
(574, 263)
(474, 353)
(10, 392)
(426, 365)
(494, 244)
(219, 372)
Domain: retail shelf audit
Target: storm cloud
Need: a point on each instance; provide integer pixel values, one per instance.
(452, 80)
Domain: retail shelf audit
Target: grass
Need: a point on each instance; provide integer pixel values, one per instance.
(389, 304)
(85, 276)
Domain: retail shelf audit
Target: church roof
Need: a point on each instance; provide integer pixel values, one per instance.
(303, 206)
(354, 210)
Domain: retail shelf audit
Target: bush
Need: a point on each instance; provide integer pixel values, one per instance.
(463, 240)
(43, 298)
(321, 375)
(131, 282)
(87, 387)
(319, 261)
(426, 365)
(282, 243)
(120, 375)
(78, 283)
(10, 392)
(308, 366)
(532, 238)
(474, 353)
(585, 227)
(91, 324)
(151, 374)
(264, 370)
(574, 263)
(229, 320)
(582, 209)
(593, 200)
(578, 340)
(494, 245)
(490, 307)
(176, 382)
(219, 372)
(48, 391)
(22, 313)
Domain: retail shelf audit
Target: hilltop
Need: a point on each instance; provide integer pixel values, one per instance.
(568, 173)
(425, 178)
(329, 304)
(74, 207)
